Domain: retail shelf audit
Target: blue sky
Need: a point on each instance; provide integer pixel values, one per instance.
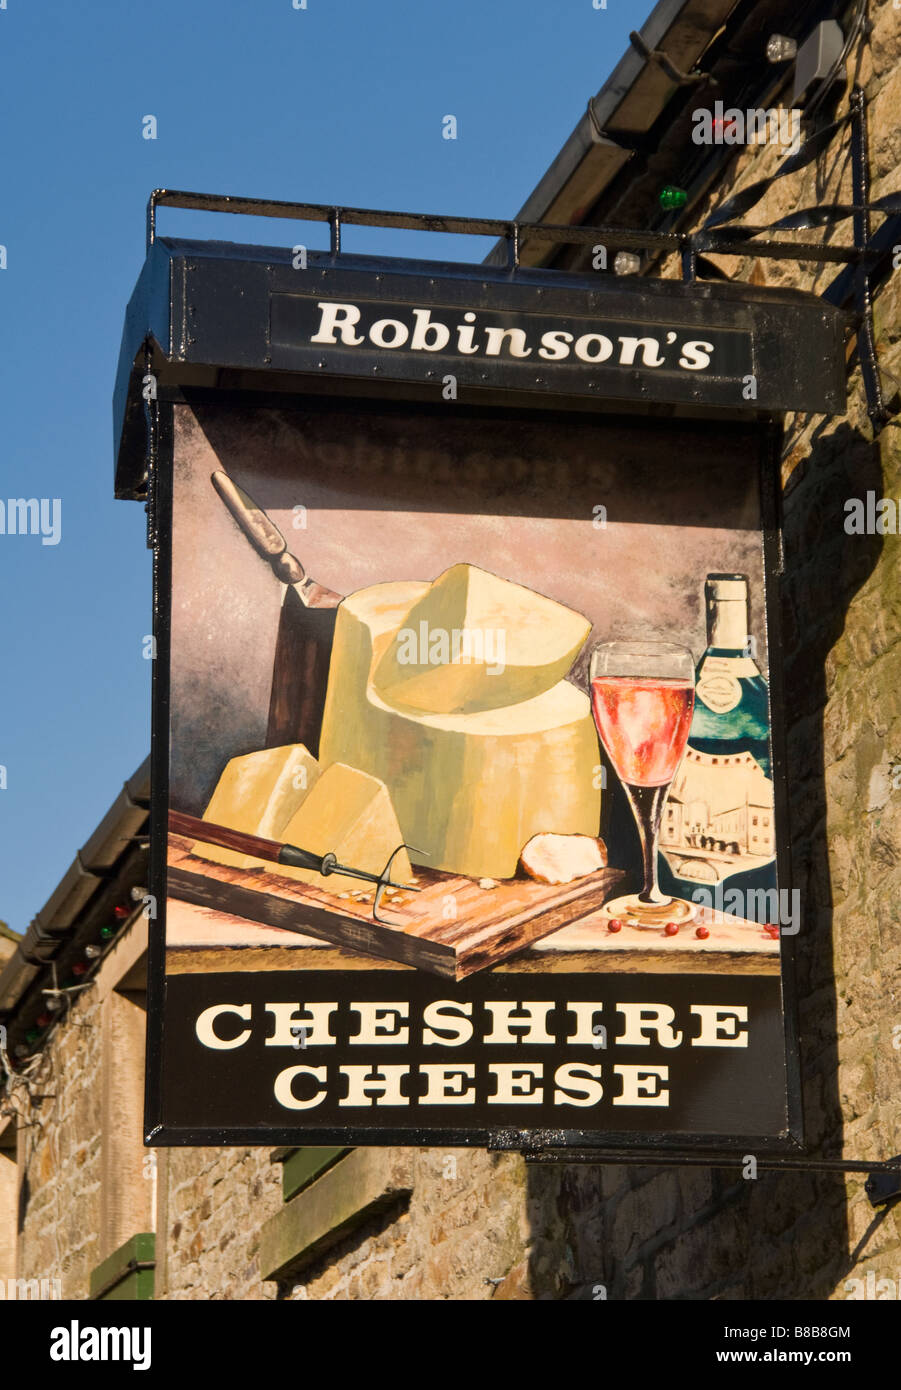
(341, 102)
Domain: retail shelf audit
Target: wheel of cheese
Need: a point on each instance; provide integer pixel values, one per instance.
(468, 788)
(474, 641)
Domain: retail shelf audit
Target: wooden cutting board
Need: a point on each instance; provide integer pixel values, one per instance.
(487, 925)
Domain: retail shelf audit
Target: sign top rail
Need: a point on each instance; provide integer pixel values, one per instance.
(284, 318)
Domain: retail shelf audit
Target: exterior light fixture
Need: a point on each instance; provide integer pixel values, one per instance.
(818, 61)
(780, 49)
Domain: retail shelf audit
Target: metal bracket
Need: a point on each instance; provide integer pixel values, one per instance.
(883, 1181)
(664, 62)
(866, 333)
(883, 1185)
(334, 223)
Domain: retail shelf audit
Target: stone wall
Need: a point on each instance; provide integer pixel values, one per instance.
(212, 1203)
(59, 1157)
(84, 1183)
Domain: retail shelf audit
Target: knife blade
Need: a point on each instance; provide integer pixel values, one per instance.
(306, 627)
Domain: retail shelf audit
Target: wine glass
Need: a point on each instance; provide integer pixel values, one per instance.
(642, 697)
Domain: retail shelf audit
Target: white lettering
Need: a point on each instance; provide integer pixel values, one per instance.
(531, 1016)
(205, 1026)
(555, 346)
(496, 336)
(637, 1085)
(649, 354)
(379, 1023)
(384, 1081)
(640, 1017)
(579, 1084)
(424, 326)
(314, 1021)
(283, 1088)
(442, 1027)
(399, 333)
(447, 1084)
(515, 1083)
(719, 1025)
(583, 346)
(337, 316)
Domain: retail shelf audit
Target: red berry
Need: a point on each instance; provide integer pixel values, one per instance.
(702, 933)
(671, 928)
(772, 928)
(614, 924)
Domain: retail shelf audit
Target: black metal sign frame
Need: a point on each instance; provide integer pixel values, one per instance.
(532, 1140)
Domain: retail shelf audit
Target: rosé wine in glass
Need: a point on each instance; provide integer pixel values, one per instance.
(642, 697)
(644, 725)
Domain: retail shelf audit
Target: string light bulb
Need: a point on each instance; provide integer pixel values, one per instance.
(626, 263)
(670, 197)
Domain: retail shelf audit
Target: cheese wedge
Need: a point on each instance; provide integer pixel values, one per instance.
(258, 793)
(477, 642)
(349, 814)
(469, 789)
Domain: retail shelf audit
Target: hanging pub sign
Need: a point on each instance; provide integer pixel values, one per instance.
(469, 795)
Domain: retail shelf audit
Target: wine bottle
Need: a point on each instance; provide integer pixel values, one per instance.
(719, 820)
(731, 701)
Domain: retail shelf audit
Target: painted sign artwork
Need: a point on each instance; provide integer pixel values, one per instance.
(471, 816)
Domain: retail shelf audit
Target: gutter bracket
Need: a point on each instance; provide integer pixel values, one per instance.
(666, 64)
(599, 136)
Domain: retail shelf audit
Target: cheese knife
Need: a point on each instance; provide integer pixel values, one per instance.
(290, 855)
(306, 625)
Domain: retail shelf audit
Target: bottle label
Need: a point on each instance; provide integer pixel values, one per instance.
(719, 817)
(719, 686)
